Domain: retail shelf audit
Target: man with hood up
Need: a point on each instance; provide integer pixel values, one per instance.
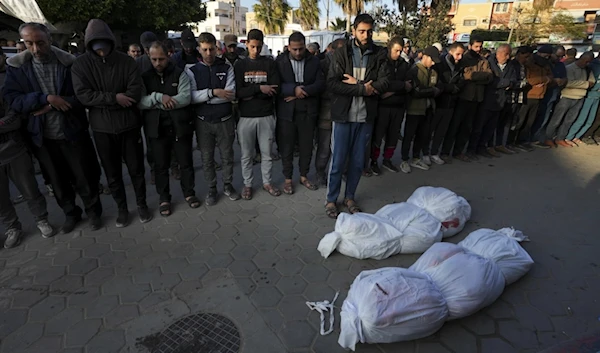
(39, 86)
(108, 82)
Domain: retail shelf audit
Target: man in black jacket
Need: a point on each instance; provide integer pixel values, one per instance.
(108, 82)
(16, 166)
(450, 81)
(189, 56)
(40, 87)
(324, 123)
(168, 125)
(213, 89)
(298, 108)
(257, 83)
(143, 61)
(357, 75)
(497, 94)
(391, 108)
(477, 74)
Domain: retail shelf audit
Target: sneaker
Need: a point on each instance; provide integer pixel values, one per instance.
(437, 160)
(405, 167)
(18, 199)
(426, 160)
(45, 228)
(492, 151)
(512, 148)
(122, 219)
(521, 148)
(375, 169)
(50, 190)
(419, 163)
(70, 224)
(230, 192)
(483, 153)
(144, 213)
(472, 156)
(446, 158)
(503, 150)
(13, 238)
(541, 145)
(95, 223)
(211, 197)
(387, 164)
(463, 158)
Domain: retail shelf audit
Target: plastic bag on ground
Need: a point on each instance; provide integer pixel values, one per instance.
(419, 228)
(389, 305)
(502, 247)
(451, 210)
(362, 236)
(467, 281)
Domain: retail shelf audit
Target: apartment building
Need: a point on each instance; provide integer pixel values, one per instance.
(222, 18)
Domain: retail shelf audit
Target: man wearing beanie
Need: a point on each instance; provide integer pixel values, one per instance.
(147, 38)
(108, 82)
(189, 56)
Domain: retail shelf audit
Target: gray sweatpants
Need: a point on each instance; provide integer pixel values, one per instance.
(250, 129)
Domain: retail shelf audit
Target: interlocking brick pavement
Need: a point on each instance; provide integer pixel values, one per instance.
(94, 291)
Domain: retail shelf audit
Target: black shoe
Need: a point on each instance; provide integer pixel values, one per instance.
(387, 164)
(95, 223)
(13, 238)
(375, 169)
(230, 192)
(484, 153)
(122, 219)
(144, 213)
(528, 147)
(472, 156)
(211, 197)
(70, 224)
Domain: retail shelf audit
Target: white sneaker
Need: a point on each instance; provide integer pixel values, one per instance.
(437, 160)
(45, 228)
(405, 167)
(418, 163)
(426, 160)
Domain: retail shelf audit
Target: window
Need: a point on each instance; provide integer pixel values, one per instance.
(501, 7)
(470, 23)
(485, 20)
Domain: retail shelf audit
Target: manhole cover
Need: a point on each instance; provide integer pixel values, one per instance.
(201, 333)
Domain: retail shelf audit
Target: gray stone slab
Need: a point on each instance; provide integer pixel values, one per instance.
(81, 333)
(47, 308)
(64, 320)
(19, 340)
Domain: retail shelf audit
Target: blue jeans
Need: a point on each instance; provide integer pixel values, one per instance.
(348, 140)
(585, 119)
(565, 113)
(544, 113)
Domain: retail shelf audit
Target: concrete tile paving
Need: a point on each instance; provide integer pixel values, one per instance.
(256, 262)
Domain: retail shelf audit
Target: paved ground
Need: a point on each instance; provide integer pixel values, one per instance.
(256, 262)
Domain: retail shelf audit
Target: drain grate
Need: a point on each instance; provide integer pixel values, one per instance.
(200, 333)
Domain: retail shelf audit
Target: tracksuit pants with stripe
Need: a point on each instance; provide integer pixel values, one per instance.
(349, 142)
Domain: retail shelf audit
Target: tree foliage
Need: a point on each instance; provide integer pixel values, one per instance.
(339, 24)
(351, 8)
(431, 24)
(272, 14)
(308, 14)
(123, 14)
(387, 20)
(542, 21)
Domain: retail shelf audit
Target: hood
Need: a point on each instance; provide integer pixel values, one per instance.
(540, 60)
(63, 57)
(98, 29)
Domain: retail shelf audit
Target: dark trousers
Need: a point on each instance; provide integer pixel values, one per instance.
(150, 156)
(460, 127)
(323, 151)
(112, 150)
(417, 127)
(439, 127)
(565, 113)
(387, 127)
(504, 120)
(163, 148)
(218, 135)
(349, 141)
(595, 128)
(21, 172)
(298, 132)
(483, 130)
(521, 131)
(73, 169)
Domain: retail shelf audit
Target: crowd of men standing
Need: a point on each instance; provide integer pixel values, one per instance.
(351, 103)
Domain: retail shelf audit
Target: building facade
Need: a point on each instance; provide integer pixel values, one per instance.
(222, 18)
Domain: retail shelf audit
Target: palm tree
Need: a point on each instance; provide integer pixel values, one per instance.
(339, 24)
(351, 8)
(308, 14)
(273, 14)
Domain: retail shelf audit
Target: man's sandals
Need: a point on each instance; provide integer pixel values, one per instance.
(193, 202)
(288, 187)
(165, 209)
(332, 211)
